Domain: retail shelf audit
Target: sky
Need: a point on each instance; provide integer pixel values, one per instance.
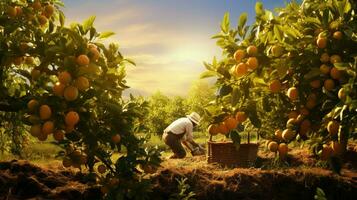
(167, 39)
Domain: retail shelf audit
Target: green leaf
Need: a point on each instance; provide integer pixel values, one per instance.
(315, 72)
(225, 23)
(88, 23)
(106, 34)
(341, 66)
(277, 34)
(242, 20)
(62, 18)
(259, 10)
(208, 74)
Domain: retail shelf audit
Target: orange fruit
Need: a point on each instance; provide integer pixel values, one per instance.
(305, 126)
(94, 54)
(291, 122)
(66, 162)
(91, 45)
(326, 152)
(337, 148)
(49, 10)
(252, 63)
(325, 69)
(48, 127)
(315, 84)
(293, 93)
(241, 69)
(275, 86)
(293, 114)
(273, 146)
(70, 93)
(36, 130)
(329, 84)
(231, 123)
(278, 134)
(18, 60)
(34, 119)
(252, 50)
(335, 59)
(42, 19)
(32, 105)
(82, 60)
(277, 50)
(72, 118)
(283, 149)
(64, 77)
(288, 135)
(239, 55)
(83, 159)
(11, 12)
(304, 112)
(114, 182)
(312, 97)
(35, 74)
(299, 118)
(45, 112)
(333, 127)
(36, 5)
(321, 43)
(29, 60)
(212, 129)
(18, 11)
(241, 116)
(58, 135)
(69, 129)
(116, 138)
(325, 58)
(58, 89)
(335, 73)
(42, 136)
(342, 94)
(337, 35)
(310, 104)
(222, 129)
(82, 83)
(102, 169)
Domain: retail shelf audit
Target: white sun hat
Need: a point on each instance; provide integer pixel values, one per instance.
(195, 117)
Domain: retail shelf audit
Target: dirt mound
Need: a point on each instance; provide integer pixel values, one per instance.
(22, 180)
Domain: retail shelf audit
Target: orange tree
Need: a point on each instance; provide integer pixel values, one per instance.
(292, 74)
(66, 83)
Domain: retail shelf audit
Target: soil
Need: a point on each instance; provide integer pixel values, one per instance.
(298, 179)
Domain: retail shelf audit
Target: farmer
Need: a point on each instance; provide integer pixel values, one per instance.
(180, 132)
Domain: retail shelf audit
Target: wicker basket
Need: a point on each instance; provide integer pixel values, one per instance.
(225, 153)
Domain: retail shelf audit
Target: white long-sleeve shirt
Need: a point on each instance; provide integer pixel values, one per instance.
(180, 126)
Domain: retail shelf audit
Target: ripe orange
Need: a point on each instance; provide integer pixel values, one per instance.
(293, 114)
(18, 11)
(325, 58)
(304, 112)
(32, 105)
(94, 54)
(72, 118)
(325, 69)
(82, 83)
(329, 84)
(310, 104)
(102, 169)
(241, 69)
(69, 129)
(49, 10)
(11, 12)
(283, 149)
(58, 89)
(35, 74)
(36, 130)
(315, 84)
(42, 136)
(212, 129)
(305, 126)
(222, 129)
(231, 123)
(70, 93)
(293, 93)
(67, 162)
(64, 77)
(326, 152)
(18, 60)
(288, 134)
(48, 127)
(337, 35)
(275, 86)
(82, 60)
(239, 55)
(45, 112)
(29, 60)
(36, 5)
(114, 182)
(252, 63)
(312, 97)
(291, 122)
(342, 94)
(277, 50)
(42, 19)
(337, 148)
(299, 118)
(335, 73)
(333, 127)
(278, 134)
(116, 138)
(335, 59)
(321, 43)
(241, 116)
(273, 146)
(58, 135)
(91, 45)
(252, 50)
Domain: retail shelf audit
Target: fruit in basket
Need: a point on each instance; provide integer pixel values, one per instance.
(213, 129)
(231, 123)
